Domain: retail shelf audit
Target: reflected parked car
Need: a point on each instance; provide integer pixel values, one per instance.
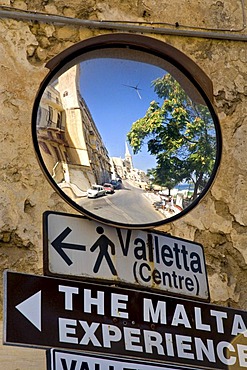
(109, 188)
(96, 191)
(115, 184)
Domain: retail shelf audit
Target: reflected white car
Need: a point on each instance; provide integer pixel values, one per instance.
(96, 191)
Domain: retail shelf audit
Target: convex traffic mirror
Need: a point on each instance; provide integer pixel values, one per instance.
(125, 130)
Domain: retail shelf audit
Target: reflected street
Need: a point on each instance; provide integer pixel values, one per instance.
(127, 205)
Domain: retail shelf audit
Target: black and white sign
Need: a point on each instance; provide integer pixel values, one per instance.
(78, 247)
(48, 312)
(61, 360)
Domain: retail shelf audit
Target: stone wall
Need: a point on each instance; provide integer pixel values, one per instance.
(219, 222)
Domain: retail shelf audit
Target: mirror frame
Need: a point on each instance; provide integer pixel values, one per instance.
(143, 44)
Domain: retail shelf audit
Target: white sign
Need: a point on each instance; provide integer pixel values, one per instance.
(61, 360)
(78, 247)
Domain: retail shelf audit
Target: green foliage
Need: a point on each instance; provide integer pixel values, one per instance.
(180, 133)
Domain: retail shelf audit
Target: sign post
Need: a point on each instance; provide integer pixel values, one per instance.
(47, 312)
(75, 247)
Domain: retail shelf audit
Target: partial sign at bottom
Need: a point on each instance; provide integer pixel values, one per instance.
(63, 360)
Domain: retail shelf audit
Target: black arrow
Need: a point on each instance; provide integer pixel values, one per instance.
(60, 246)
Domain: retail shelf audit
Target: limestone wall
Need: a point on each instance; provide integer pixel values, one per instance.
(219, 222)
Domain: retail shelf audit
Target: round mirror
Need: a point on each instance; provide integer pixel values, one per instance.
(125, 131)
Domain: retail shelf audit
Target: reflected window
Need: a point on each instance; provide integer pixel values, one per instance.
(50, 115)
(59, 120)
(58, 155)
(44, 147)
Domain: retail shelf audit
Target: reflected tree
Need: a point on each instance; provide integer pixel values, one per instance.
(180, 133)
(167, 173)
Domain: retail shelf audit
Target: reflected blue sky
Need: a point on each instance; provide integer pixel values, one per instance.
(114, 106)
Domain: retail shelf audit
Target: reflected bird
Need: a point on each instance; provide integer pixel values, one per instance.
(136, 88)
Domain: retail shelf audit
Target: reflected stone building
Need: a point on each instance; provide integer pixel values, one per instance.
(70, 143)
(124, 169)
(51, 123)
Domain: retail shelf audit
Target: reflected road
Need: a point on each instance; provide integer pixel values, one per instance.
(127, 205)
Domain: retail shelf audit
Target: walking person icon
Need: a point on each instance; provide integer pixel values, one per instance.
(103, 242)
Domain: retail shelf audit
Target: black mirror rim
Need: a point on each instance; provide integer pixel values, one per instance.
(152, 46)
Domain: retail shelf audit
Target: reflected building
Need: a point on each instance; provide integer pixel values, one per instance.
(51, 123)
(128, 162)
(69, 139)
(124, 168)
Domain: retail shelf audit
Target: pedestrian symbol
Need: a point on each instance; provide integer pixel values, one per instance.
(103, 242)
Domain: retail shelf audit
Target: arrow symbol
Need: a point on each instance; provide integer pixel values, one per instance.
(59, 246)
(31, 309)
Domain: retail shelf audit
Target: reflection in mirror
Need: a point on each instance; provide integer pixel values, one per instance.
(128, 139)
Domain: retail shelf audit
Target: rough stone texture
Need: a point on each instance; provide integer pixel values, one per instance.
(219, 222)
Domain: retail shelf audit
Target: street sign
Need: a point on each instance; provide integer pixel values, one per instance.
(47, 312)
(61, 360)
(76, 247)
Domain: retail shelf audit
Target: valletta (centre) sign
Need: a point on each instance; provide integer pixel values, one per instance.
(48, 312)
(76, 247)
